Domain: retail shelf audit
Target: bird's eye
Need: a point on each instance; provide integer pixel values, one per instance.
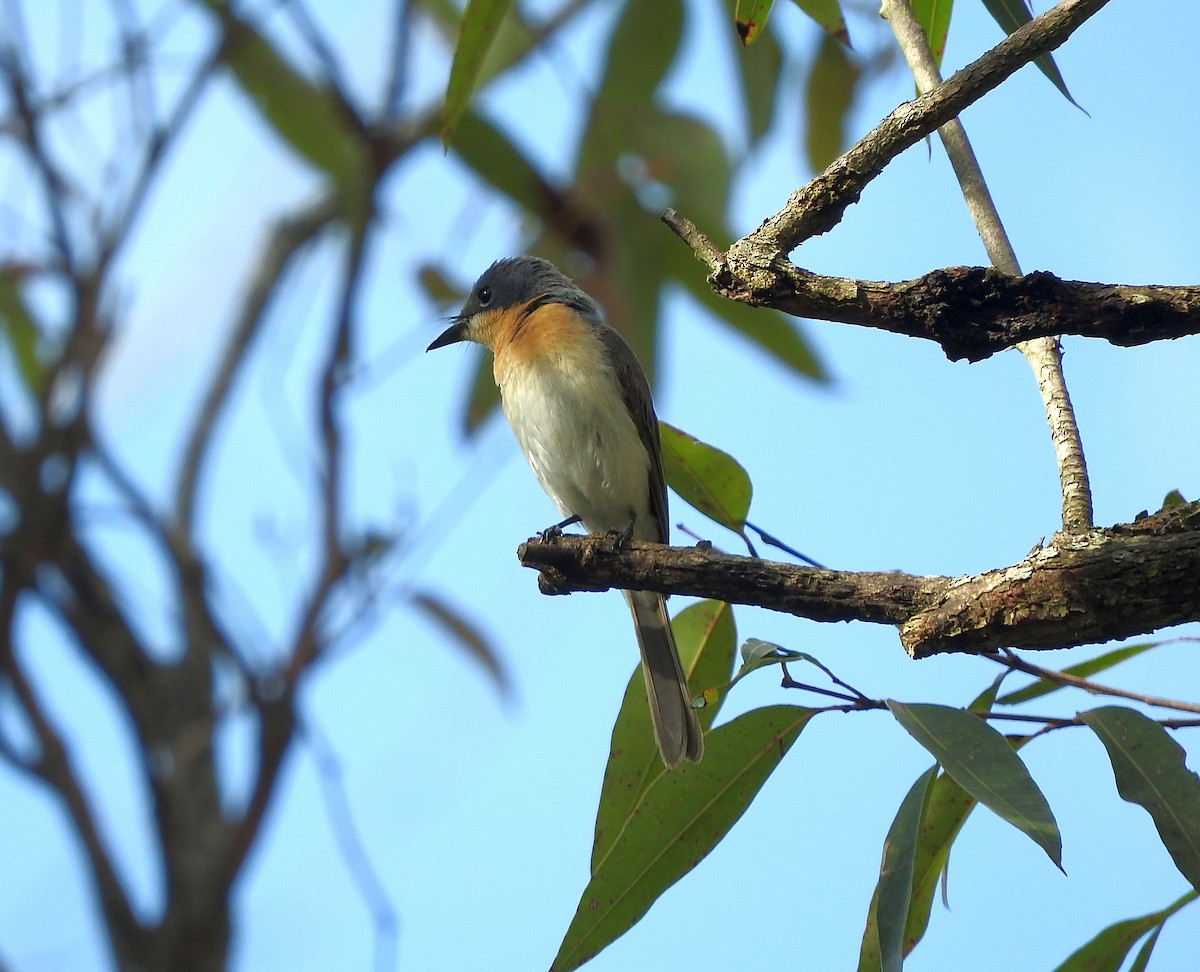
(484, 296)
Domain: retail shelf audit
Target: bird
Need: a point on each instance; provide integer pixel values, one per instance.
(580, 408)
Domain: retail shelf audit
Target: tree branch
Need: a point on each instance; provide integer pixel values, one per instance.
(974, 312)
(1078, 589)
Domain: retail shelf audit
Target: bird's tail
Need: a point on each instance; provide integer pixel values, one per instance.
(676, 728)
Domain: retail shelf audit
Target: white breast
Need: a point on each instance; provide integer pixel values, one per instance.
(571, 422)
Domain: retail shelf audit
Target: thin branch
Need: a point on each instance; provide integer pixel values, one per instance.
(1044, 354)
(818, 206)
(1014, 662)
(1079, 589)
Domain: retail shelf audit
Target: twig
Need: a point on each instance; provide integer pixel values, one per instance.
(818, 206)
(1044, 354)
(1014, 662)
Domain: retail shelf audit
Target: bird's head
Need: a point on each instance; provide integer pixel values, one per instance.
(505, 296)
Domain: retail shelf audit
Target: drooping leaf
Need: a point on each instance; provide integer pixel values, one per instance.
(1109, 949)
(1150, 770)
(480, 25)
(828, 14)
(984, 764)
(829, 96)
(750, 17)
(680, 818)
(888, 916)
(946, 811)
(706, 478)
(467, 635)
(934, 18)
(314, 122)
(1012, 14)
(1085, 669)
(705, 636)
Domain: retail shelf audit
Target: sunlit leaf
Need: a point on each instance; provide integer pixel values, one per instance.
(750, 17)
(466, 634)
(1085, 669)
(1012, 14)
(480, 23)
(829, 96)
(680, 818)
(827, 13)
(705, 636)
(984, 764)
(934, 18)
(706, 478)
(1109, 949)
(1150, 770)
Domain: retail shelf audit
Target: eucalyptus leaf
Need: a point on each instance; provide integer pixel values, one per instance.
(706, 478)
(983, 763)
(1150, 770)
(679, 819)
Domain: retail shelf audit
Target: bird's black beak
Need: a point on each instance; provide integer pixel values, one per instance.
(452, 335)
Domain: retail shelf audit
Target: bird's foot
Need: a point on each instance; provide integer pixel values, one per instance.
(552, 533)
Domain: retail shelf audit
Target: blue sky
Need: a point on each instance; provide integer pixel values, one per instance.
(476, 812)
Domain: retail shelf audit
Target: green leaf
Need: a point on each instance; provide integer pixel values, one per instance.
(888, 918)
(828, 14)
(984, 764)
(481, 22)
(312, 119)
(946, 812)
(641, 51)
(1150, 771)
(467, 635)
(1109, 949)
(759, 72)
(705, 636)
(1012, 14)
(1085, 669)
(680, 818)
(934, 18)
(706, 478)
(20, 330)
(750, 17)
(829, 96)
